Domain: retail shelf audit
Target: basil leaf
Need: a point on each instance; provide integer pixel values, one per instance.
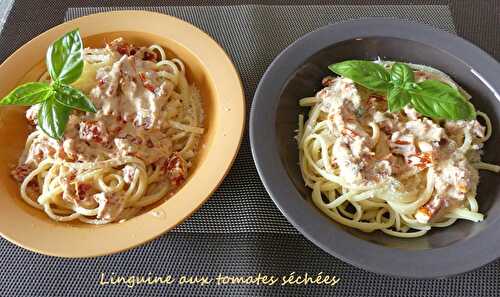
(53, 117)
(28, 94)
(368, 74)
(74, 98)
(64, 58)
(436, 99)
(401, 74)
(397, 98)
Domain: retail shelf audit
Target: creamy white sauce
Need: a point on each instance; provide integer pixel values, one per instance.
(408, 142)
(131, 99)
(136, 106)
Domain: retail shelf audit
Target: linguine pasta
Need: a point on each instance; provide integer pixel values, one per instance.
(400, 173)
(134, 151)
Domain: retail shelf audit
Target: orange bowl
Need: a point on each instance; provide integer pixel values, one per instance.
(208, 66)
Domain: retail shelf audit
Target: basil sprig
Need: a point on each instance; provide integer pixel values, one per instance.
(64, 58)
(369, 75)
(64, 62)
(431, 98)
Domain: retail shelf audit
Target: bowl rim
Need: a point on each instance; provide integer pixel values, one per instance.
(225, 144)
(439, 262)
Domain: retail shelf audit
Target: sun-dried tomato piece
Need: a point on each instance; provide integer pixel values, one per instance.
(176, 169)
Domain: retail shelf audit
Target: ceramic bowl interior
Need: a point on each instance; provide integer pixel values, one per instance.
(14, 119)
(207, 66)
(306, 81)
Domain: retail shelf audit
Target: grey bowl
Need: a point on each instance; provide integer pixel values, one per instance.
(297, 73)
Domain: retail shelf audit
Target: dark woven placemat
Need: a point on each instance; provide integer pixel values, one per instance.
(238, 231)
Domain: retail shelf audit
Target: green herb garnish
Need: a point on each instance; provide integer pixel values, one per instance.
(64, 62)
(431, 98)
